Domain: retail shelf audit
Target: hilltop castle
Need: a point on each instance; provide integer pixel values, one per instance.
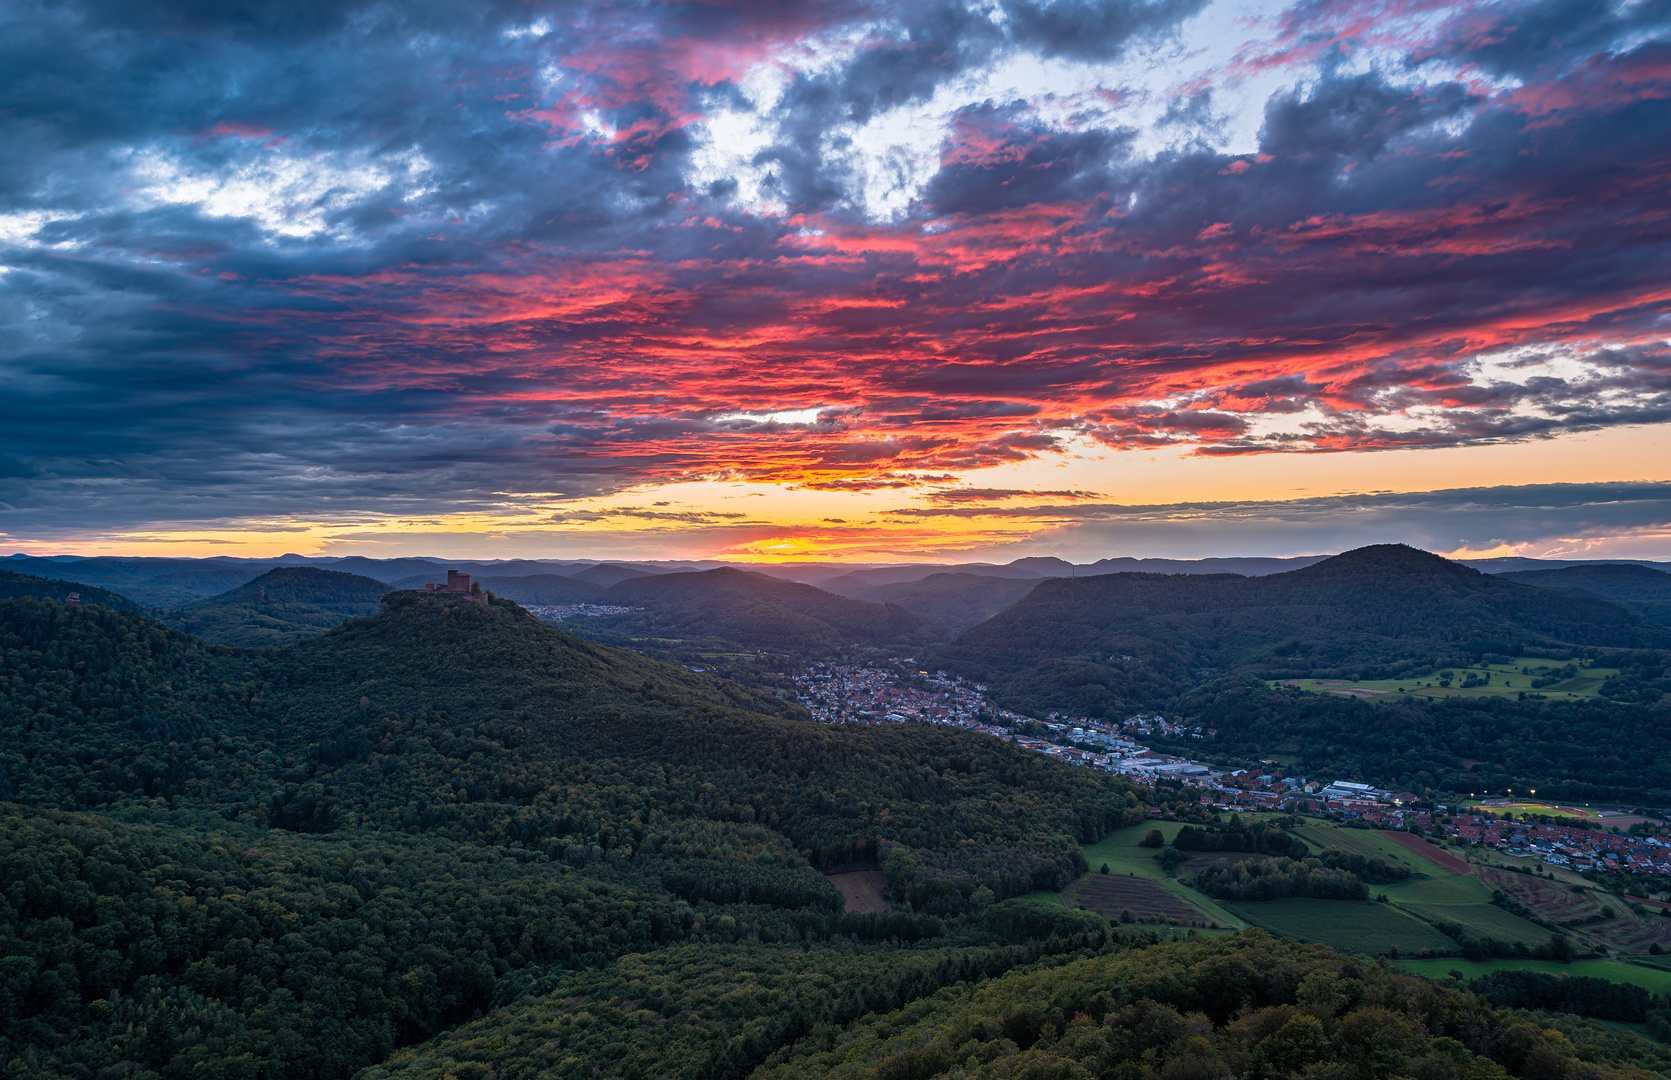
(458, 584)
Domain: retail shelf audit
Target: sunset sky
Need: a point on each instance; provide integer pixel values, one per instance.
(858, 281)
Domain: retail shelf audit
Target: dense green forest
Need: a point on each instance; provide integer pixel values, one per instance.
(1597, 749)
(1207, 648)
(1239, 1006)
(283, 605)
(1127, 641)
(14, 586)
(448, 840)
(229, 862)
(738, 609)
(1643, 589)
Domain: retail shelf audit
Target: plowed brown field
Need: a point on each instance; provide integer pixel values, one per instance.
(1110, 895)
(1627, 930)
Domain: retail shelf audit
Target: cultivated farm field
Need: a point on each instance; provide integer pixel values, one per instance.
(1559, 903)
(1484, 921)
(1359, 926)
(1112, 896)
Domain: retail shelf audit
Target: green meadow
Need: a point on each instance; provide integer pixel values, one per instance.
(1653, 980)
(1484, 920)
(1359, 926)
(1507, 680)
(1406, 922)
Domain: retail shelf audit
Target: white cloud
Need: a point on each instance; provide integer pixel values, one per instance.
(285, 192)
(782, 416)
(20, 229)
(1241, 52)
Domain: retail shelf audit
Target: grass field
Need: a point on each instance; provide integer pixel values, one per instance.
(1124, 858)
(1576, 813)
(1606, 817)
(1357, 926)
(1650, 979)
(1436, 893)
(1440, 888)
(1485, 920)
(1365, 842)
(1436, 885)
(1507, 680)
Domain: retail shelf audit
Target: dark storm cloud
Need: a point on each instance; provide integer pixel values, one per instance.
(268, 261)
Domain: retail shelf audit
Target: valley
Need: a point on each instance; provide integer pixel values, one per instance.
(350, 826)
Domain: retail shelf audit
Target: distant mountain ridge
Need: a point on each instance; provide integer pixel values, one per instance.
(173, 582)
(961, 600)
(1122, 641)
(758, 611)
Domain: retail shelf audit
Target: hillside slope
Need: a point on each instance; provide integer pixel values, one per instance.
(283, 605)
(756, 611)
(14, 586)
(960, 600)
(381, 831)
(1642, 589)
(1133, 640)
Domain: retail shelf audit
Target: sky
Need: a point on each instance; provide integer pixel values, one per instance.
(835, 280)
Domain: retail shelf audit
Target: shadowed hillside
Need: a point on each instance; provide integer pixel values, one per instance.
(1125, 641)
(760, 612)
(283, 605)
(1642, 589)
(13, 586)
(959, 600)
(382, 831)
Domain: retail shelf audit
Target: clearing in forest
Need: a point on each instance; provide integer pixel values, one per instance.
(1112, 895)
(863, 890)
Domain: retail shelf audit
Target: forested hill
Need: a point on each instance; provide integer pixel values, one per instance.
(14, 585)
(757, 611)
(1371, 613)
(961, 600)
(298, 860)
(1643, 589)
(285, 604)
